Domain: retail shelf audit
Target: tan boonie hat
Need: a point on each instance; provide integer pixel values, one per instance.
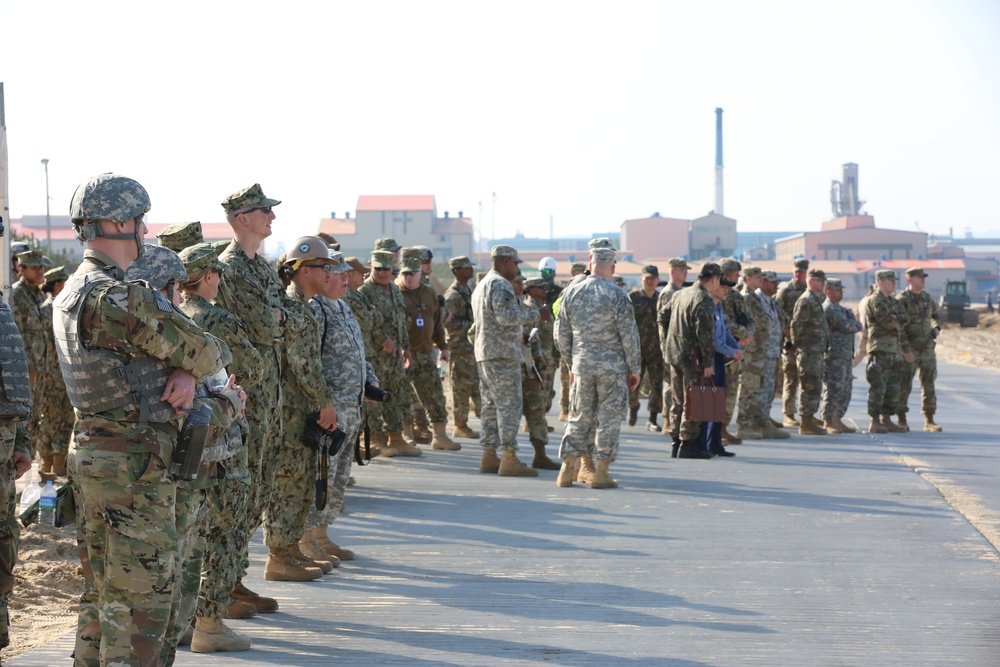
(246, 199)
(460, 262)
(56, 274)
(31, 258)
(382, 259)
(834, 283)
(356, 264)
(916, 272)
(330, 241)
(679, 263)
(180, 235)
(885, 274)
(386, 243)
(505, 251)
(199, 259)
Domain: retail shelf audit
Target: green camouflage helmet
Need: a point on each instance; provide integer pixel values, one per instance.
(157, 266)
(109, 197)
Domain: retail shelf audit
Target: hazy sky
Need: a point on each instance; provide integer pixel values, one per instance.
(589, 112)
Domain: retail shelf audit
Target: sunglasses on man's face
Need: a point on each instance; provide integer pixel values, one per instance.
(263, 209)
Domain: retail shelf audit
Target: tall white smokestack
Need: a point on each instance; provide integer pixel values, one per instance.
(718, 162)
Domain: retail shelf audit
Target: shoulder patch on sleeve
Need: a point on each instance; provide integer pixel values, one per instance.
(163, 303)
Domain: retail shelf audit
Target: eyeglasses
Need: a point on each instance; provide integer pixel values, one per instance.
(328, 268)
(263, 209)
(381, 268)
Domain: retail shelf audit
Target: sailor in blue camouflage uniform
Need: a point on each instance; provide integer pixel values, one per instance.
(598, 336)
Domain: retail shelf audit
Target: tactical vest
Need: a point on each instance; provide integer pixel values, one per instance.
(15, 390)
(97, 380)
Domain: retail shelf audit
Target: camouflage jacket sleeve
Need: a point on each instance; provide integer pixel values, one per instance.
(628, 334)
(249, 297)
(704, 328)
(457, 327)
(809, 329)
(247, 364)
(129, 315)
(884, 325)
(737, 318)
(302, 366)
(841, 320)
(30, 323)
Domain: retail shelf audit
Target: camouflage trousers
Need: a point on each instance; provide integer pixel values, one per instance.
(599, 405)
(423, 375)
(127, 536)
(226, 539)
(264, 432)
(883, 373)
(294, 489)
(751, 380)
(500, 386)
(390, 416)
(464, 384)
(810, 368)
(680, 427)
(10, 529)
(838, 383)
(534, 401)
(790, 386)
(190, 555)
(550, 381)
(926, 363)
(767, 382)
(734, 370)
(339, 469)
(54, 432)
(651, 371)
(564, 386)
(667, 399)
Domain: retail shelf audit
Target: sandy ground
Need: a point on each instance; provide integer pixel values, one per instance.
(49, 585)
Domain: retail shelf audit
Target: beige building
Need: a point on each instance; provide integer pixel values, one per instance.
(853, 237)
(656, 236)
(712, 235)
(409, 219)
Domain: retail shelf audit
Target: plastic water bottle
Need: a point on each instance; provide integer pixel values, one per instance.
(31, 493)
(47, 505)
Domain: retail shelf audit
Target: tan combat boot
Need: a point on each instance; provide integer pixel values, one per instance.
(541, 461)
(875, 426)
(563, 416)
(775, 423)
(729, 439)
(830, 426)
(463, 431)
(890, 427)
(211, 635)
(45, 469)
(311, 550)
(240, 609)
(380, 447)
(511, 466)
(748, 432)
(929, 424)
(902, 422)
(602, 480)
(441, 439)
(263, 605)
(585, 473)
(567, 471)
(809, 426)
(307, 562)
(324, 543)
(844, 428)
(59, 464)
(790, 421)
(771, 432)
(489, 463)
(402, 447)
(281, 565)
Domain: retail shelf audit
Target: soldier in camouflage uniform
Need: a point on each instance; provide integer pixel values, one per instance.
(15, 459)
(56, 428)
(392, 346)
(26, 301)
(535, 397)
(131, 363)
(787, 295)
(678, 274)
(226, 501)
(180, 235)
(597, 332)
(886, 319)
(251, 291)
(838, 379)
(369, 320)
(690, 351)
(499, 332)
(462, 365)
(304, 394)
(750, 418)
(644, 301)
(811, 338)
(775, 344)
(347, 372)
(740, 323)
(921, 333)
(547, 272)
(426, 330)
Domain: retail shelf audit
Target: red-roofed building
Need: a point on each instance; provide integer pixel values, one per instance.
(409, 219)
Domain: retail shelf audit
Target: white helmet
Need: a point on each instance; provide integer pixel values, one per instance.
(547, 264)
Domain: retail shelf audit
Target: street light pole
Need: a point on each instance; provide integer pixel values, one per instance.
(48, 217)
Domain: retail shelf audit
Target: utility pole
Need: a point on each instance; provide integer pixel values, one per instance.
(48, 217)
(493, 240)
(5, 278)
